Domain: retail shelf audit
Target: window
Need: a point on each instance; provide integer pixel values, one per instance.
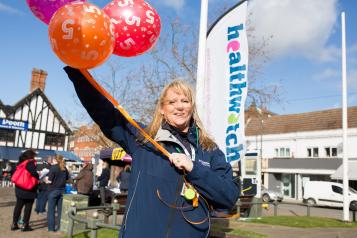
(331, 151)
(251, 166)
(7, 135)
(313, 152)
(337, 189)
(53, 139)
(282, 152)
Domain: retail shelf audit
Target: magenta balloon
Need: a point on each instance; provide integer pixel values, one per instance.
(44, 9)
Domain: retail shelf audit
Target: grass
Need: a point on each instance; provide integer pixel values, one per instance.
(304, 222)
(102, 233)
(237, 232)
(107, 233)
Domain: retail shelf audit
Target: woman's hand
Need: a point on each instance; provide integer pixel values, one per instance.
(181, 161)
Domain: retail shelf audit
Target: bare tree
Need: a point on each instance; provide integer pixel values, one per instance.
(175, 57)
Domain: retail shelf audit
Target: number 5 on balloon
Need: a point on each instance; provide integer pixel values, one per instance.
(67, 30)
(127, 44)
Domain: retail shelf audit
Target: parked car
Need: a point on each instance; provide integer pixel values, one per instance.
(269, 195)
(323, 193)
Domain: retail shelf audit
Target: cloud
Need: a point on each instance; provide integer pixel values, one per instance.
(352, 80)
(297, 27)
(8, 9)
(328, 74)
(177, 4)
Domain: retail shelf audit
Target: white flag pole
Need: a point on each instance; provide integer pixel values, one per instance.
(201, 62)
(344, 123)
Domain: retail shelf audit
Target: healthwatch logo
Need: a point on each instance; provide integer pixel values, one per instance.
(237, 94)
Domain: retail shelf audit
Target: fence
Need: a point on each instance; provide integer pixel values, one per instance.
(308, 208)
(93, 223)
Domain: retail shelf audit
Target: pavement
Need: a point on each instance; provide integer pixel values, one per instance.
(39, 223)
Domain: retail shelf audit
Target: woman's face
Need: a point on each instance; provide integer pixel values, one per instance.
(177, 110)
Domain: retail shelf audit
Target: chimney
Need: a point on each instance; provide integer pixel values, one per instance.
(38, 79)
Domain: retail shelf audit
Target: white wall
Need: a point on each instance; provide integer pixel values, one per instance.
(300, 141)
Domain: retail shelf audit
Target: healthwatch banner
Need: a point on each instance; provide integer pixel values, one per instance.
(226, 82)
(13, 124)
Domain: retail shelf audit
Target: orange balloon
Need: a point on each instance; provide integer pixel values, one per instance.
(81, 35)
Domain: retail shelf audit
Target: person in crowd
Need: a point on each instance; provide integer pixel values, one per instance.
(163, 192)
(103, 180)
(84, 180)
(8, 170)
(25, 198)
(123, 179)
(57, 177)
(41, 200)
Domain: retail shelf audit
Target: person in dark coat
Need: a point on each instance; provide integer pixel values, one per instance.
(41, 200)
(162, 198)
(123, 179)
(84, 180)
(25, 198)
(57, 177)
(103, 180)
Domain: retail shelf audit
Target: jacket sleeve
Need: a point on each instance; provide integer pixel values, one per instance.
(79, 176)
(215, 183)
(112, 123)
(31, 167)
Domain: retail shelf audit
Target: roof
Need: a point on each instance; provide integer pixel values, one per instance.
(309, 121)
(38, 92)
(13, 154)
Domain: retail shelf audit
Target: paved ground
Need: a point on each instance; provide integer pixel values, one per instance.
(39, 223)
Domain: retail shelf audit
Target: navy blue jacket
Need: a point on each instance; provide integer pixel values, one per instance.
(146, 214)
(104, 178)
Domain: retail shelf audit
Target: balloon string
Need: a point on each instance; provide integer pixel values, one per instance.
(95, 84)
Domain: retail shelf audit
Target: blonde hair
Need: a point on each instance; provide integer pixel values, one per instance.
(60, 161)
(179, 86)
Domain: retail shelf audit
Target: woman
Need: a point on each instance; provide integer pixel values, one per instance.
(123, 179)
(41, 200)
(84, 180)
(57, 177)
(155, 206)
(25, 197)
(103, 180)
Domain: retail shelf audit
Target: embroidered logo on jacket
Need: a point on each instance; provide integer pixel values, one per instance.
(205, 163)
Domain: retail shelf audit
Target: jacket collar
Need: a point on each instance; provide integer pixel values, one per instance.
(165, 135)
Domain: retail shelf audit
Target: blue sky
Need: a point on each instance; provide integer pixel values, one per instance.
(304, 52)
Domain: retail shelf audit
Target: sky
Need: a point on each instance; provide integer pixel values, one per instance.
(304, 49)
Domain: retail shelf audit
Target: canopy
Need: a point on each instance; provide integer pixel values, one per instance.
(115, 156)
(352, 168)
(13, 154)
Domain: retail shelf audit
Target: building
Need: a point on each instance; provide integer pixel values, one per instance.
(85, 142)
(300, 147)
(33, 122)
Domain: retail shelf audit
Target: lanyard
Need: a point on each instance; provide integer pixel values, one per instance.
(193, 156)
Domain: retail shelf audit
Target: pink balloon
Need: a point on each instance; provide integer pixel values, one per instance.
(44, 9)
(136, 26)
